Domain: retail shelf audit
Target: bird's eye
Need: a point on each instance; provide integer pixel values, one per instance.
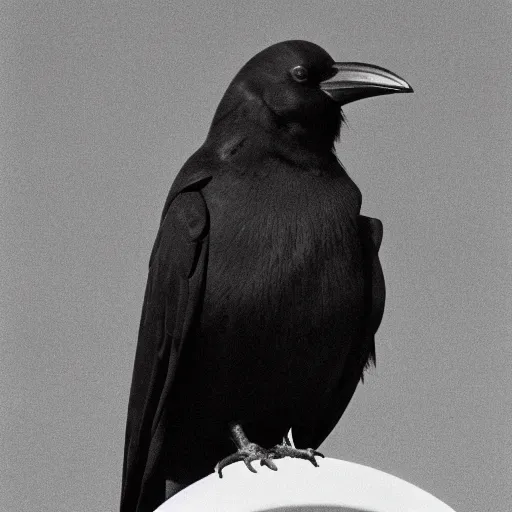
(299, 73)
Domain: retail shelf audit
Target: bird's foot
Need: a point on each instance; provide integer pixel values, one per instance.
(249, 452)
(285, 449)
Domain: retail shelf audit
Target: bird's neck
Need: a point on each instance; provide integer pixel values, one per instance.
(239, 139)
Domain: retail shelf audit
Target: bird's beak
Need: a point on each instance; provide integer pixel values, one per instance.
(353, 81)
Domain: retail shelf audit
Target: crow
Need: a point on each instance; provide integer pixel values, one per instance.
(265, 289)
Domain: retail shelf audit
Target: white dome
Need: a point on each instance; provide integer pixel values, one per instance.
(336, 485)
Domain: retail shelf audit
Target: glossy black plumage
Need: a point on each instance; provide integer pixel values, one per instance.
(264, 290)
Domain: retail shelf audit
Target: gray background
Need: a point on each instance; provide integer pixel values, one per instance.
(102, 102)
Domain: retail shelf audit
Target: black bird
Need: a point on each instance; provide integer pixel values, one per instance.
(265, 290)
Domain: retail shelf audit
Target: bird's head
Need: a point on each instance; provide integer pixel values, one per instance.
(294, 88)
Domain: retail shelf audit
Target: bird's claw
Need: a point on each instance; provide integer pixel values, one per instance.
(248, 454)
(269, 463)
(247, 462)
(235, 457)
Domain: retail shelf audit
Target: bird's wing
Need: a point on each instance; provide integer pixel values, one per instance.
(171, 302)
(371, 232)
(362, 354)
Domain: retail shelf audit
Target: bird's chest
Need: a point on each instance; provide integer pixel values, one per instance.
(283, 248)
(284, 294)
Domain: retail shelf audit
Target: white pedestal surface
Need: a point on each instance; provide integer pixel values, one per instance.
(335, 486)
